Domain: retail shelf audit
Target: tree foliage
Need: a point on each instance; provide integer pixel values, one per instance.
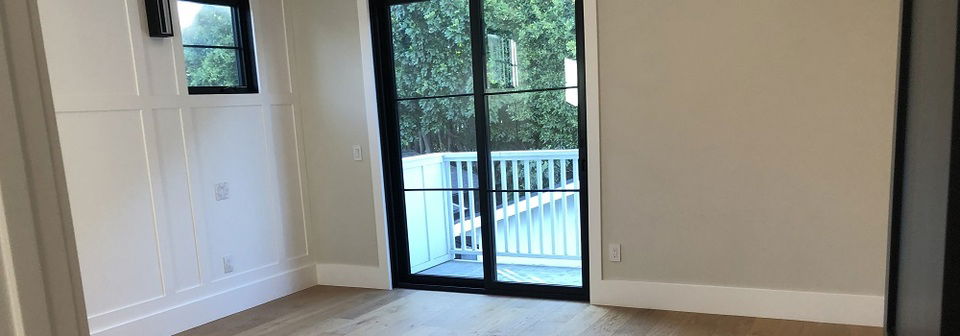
(213, 26)
(527, 42)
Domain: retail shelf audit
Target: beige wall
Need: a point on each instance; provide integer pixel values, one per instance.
(748, 143)
(744, 144)
(330, 78)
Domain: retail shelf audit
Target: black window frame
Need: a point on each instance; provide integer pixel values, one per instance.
(246, 58)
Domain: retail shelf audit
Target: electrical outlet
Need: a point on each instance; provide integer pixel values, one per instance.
(357, 153)
(227, 264)
(615, 252)
(222, 191)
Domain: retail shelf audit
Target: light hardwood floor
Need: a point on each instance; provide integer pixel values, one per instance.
(324, 310)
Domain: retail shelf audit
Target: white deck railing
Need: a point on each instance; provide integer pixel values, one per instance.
(535, 196)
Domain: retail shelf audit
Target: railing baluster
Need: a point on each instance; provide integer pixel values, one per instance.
(526, 179)
(503, 207)
(473, 220)
(498, 243)
(463, 212)
(563, 200)
(554, 246)
(576, 206)
(516, 201)
(446, 182)
(450, 181)
(543, 246)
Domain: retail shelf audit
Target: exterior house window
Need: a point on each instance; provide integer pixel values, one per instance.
(504, 63)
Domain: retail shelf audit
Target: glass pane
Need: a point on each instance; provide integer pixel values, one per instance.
(204, 24)
(538, 238)
(439, 143)
(211, 67)
(534, 140)
(443, 230)
(531, 44)
(431, 48)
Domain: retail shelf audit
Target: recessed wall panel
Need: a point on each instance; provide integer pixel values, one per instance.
(88, 47)
(174, 202)
(272, 48)
(159, 54)
(231, 185)
(285, 150)
(111, 201)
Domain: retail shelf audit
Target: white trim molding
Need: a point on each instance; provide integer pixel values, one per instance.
(594, 232)
(371, 111)
(352, 276)
(40, 287)
(209, 308)
(867, 310)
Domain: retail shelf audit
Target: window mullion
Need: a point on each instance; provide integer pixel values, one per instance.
(478, 44)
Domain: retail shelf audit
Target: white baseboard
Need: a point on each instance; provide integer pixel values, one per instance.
(209, 308)
(353, 276)
(780, 304)
(865, 310)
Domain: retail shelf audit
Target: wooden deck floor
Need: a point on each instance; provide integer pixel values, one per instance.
(563, 276)
(326, 310)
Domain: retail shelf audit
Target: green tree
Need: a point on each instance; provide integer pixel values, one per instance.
(528, 42)
(213, 26)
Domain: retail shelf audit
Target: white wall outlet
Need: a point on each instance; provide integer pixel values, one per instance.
(357, 153)
(615, 252)
(222, 191)
(227, 264)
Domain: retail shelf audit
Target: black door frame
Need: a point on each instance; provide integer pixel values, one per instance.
(392, 164)
(950, 292)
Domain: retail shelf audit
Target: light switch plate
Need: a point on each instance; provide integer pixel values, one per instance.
(222, 191)
(615, 252)
(227, 264)
(357, 153)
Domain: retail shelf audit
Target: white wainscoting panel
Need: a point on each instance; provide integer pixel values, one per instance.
(89, 47)
(193, 312)
(227, 145)
(286, 153)
(160, 57)
(174, 209)
(274, 47)
(143, 158)
(108, 178)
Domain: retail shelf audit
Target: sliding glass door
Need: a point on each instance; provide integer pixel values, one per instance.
(483, 137)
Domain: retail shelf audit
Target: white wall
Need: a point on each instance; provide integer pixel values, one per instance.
(142, 158)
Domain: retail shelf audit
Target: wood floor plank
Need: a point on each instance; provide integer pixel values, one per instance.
(324, 310)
